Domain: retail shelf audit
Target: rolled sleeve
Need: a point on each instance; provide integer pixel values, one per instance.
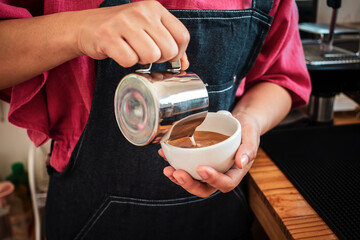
(28, 108)
(281, 60)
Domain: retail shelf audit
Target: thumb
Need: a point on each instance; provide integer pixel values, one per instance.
(184, 62)
(247, 151)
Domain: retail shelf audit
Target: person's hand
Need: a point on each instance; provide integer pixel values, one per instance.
(141, 32)
(214, 180)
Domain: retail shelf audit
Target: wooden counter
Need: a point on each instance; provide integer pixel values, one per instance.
(278, 206)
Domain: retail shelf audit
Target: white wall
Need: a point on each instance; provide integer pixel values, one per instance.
(14, 143)
(348, 13)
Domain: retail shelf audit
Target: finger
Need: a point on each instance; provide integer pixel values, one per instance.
(121, 52)
(168, 172)
(178, 31)
(157, 139)
(144, 46)
(191, 185)
(161, 153)
(164, 40)
(223, 182)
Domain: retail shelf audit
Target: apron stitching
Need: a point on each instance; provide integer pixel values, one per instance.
(90, 220)
(212, 11)
(265, 17)
(160, 204)
(223, 90)
(217, 18)
(134, 203)
(73, 162)
(262, 21)
(150, 200)
(254, 11)
(92, 223)
(222, 18)
(237, 195)
(251, 12)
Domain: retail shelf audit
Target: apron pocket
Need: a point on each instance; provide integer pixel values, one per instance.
(149, 219)
(221, 96)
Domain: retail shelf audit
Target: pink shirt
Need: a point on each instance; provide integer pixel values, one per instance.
(57, 104)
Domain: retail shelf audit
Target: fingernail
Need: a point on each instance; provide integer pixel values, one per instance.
(244, 160)
(203, 174)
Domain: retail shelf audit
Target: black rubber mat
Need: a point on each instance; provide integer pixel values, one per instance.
(323, 162)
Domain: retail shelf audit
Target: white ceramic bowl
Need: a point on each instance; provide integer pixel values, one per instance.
(220, 156)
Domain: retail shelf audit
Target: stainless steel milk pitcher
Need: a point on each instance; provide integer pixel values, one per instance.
(149, 104)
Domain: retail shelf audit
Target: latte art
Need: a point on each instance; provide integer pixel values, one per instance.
(201, 139)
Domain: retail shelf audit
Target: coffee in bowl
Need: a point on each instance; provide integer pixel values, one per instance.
(219, 156)
(198, 140)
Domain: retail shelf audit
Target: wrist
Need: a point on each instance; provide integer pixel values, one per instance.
(69, 24)
(253, 117)
(267, 102)
(80, 18)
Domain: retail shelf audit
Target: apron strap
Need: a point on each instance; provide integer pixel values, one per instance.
(50, 170)
(263, 5)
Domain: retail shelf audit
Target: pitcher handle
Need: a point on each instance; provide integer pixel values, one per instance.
(175, 67)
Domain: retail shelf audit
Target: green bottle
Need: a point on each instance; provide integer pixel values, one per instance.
(22, 208)
(18, 175)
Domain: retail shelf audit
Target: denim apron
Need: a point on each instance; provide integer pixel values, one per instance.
(112, 189)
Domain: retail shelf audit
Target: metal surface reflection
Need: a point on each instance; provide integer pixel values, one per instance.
(147, 104)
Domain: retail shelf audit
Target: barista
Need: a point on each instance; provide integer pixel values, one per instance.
(102, 186)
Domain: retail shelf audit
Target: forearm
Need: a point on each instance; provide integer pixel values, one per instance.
(31, 46)
(141, 32)
(267, 103)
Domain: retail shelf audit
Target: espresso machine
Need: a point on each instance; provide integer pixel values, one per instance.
(334, 66)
